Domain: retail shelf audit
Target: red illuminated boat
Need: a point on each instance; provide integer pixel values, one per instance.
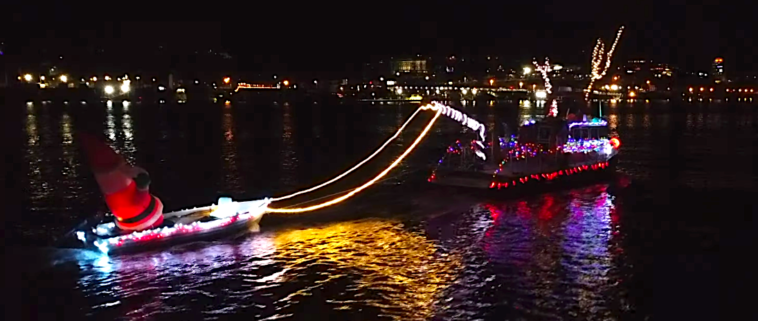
(136, 220)
(543, 152)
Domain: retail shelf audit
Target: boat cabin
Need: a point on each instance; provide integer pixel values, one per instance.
(553, 132)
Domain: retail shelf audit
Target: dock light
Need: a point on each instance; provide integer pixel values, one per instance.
(93, 78)
(520, 84)
(109, 89)
(107, 77)
(540, 94)
(690, 89)
(63, 78)
(492, 82)
(125, 86)
(286, 82)
(227, 80)
(28, 77)
(161, 88)
(42, 78)
(614, 87)
(702, 89)
(527, 70)
(632, 94)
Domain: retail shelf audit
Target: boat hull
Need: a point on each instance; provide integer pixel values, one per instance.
(562, 178)
(186, 226)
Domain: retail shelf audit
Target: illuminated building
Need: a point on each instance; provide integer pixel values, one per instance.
(410, 66)
(717, 70)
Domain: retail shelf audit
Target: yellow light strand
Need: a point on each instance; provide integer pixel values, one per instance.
(338, 177)
(372, 181)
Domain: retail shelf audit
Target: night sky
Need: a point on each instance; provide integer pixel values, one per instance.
(329, 35)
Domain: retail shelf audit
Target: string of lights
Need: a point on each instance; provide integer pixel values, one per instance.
(338, 177)
(553, 112)
(544, 69)
(434, 107)
(598, 55)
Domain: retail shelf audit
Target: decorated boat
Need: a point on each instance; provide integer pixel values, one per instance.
(136, 220)
(541, 153)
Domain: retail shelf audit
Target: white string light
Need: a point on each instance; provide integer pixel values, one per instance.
(544, 70)
(598, 55)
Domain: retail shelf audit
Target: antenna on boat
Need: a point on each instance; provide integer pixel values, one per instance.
(600, 109)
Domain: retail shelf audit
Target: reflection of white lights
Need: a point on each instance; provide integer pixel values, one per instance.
(126, 103)
(109, 89)
(541, 94)
(109, 103)
(180, 90)
(161, 88)
(399, 90)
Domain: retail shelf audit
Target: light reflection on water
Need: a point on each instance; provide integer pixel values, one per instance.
(553, 255)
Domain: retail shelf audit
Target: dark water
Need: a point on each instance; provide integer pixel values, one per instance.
(664, 243)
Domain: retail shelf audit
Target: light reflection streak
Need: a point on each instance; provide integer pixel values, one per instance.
(288, 158)
(232, 176)
(181, 274)
(542, 247)
(39, 186)
(402, 272)
(69, 151)
(586, 243)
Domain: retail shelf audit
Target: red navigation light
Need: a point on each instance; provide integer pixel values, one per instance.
(615, 142)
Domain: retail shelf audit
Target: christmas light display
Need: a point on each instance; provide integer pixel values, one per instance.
(553, 109)
(513, 182)
(125, 187)
(598, 55)
(602, 146)
(246, 211)
(438, 108)
(340, 176)
(544, 69)
(595, 122)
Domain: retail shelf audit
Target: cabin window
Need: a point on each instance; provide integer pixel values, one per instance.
(585, 133)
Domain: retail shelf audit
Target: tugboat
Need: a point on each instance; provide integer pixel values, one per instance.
(136, 220)
(544, 151)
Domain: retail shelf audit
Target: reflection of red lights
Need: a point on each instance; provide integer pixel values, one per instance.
(615, 142)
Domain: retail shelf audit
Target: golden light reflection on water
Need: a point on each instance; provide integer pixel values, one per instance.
(402, 269)
(69, 151)
(289, 161)
(33, 154)
(229, 152)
